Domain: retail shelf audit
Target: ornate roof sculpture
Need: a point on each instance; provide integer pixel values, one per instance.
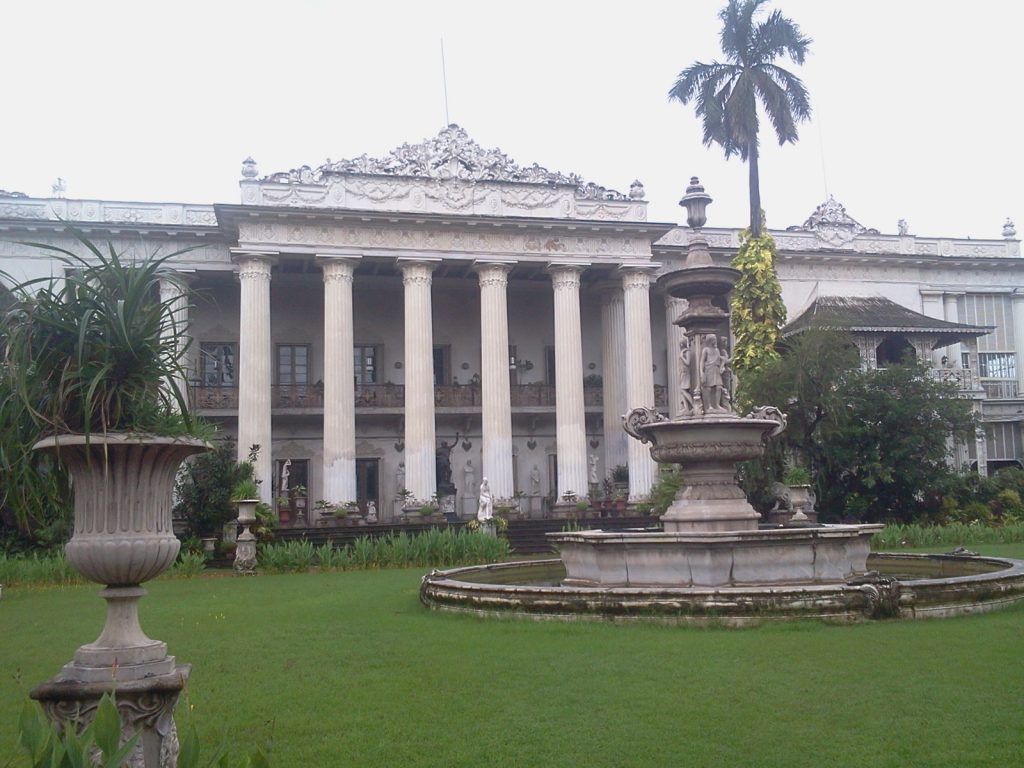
(449, 173)
(452, 154)
(832, 224)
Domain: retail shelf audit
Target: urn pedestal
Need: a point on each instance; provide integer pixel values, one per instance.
(122, 537)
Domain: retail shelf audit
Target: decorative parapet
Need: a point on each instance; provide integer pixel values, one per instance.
(866, 242)
(107, 212)
(449, 174)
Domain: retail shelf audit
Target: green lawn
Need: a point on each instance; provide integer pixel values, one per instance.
(355, 672)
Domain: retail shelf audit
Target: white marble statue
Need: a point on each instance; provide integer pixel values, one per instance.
(686, 405)
(286, 472)
(371, 511)
(485, 509)
(713, 363)
(594, 480)
(535, 481)
(469, 474)
(400, 478)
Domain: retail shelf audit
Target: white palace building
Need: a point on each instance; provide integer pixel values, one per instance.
(380, 325)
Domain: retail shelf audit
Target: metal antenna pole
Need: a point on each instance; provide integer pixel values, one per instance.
(444, 80)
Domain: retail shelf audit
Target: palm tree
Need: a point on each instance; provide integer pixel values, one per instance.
(725, 96)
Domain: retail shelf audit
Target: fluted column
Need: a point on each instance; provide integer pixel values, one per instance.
(339, 387)
(254, 365)
(420, 470)
(613, 376)
(1017, 305)
(952, 314)
(497, 402)
(636, 285)
(931, 305)
(673, 338)
(570, 426)
(174, 294)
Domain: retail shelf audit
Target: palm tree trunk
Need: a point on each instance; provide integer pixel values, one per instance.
(755, 190)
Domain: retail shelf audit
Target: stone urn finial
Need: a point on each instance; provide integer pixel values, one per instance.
(636, 190)
(249, 168)
(696, 202)
(1009, 230)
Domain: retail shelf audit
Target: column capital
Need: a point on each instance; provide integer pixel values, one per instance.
(243, 255)
(417, 271)
(564, 276)
(253, 265)
(337, 268)
(493, 272)
(1017, 295)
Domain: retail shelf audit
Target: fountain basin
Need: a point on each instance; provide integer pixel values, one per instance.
(906, 586)
(823, 555)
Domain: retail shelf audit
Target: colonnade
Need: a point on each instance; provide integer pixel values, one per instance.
(627, 374)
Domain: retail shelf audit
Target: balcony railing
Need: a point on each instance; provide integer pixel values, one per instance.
(393, 396)
(962, 378)
(297, 396)
(214, 398)
(380, 396)
(1004, 389)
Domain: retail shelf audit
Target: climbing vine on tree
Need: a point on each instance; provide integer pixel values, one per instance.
(757, 308)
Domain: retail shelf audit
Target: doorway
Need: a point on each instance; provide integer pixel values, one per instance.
(368, 484)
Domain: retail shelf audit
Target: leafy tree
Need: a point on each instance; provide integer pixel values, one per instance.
(758, 311)
(204, 489)
(875, 441)
(726, 95)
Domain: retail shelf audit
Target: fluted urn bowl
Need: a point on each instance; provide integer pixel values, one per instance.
(707, 449)
(710, 438)
(123, 485)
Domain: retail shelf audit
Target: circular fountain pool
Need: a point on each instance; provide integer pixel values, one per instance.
(897, 586)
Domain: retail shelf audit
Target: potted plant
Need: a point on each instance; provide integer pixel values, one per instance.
(246, 496)
(96, 357)
(797, 479)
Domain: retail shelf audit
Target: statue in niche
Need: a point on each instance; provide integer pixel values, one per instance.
(400, 478)
(485, 507)
(686, 405)
(443, 464)
(535, 481)
(594, 479)
(713, 364)
(469, 474)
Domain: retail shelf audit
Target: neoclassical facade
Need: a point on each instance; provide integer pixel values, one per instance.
(385, 328)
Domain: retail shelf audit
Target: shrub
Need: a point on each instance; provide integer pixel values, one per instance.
(188, 564)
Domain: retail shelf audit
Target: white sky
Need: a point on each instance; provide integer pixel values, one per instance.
(917, 104)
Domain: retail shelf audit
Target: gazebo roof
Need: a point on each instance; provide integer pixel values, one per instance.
(876, 314)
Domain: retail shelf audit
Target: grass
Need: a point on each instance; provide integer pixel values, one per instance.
(355, 672)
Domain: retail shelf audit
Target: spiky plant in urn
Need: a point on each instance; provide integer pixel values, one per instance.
(96, 356)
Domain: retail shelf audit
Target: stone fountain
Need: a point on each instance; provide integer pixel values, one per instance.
(712, 561)
(711, 536)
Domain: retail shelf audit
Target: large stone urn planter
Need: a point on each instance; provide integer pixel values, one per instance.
(122, 537)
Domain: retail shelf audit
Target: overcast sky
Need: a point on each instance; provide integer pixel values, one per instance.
(917, 104)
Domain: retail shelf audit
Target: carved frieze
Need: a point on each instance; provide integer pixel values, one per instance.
(472, 243)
